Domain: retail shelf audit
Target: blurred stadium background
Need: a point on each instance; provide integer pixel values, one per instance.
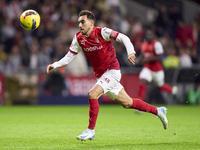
(24, 55)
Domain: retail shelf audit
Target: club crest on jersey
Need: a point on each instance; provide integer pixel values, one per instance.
(97, 40)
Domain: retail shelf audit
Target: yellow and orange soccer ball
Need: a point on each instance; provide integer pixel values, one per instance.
(30, 20)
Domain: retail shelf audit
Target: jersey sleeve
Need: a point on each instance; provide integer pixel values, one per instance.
(107, 34)
(158, 48)
(73, 51)
(65, 60)
(75, 47)
(129, 46)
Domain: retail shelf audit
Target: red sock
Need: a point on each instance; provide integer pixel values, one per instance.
(93, 113)
(166, 88)
(142, 91)
(143, 106)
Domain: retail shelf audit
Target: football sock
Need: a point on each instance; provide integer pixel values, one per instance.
(93, 113)
(143, 106)
(142, 91)
(166, 88)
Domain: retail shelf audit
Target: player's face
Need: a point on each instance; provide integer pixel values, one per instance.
(149, 36)
(85, 25)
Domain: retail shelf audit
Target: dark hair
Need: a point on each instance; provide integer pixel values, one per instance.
(89, 14)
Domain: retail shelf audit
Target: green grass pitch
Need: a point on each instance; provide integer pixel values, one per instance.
(56, 128)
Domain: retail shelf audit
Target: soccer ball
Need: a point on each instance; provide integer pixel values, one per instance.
(30, 20)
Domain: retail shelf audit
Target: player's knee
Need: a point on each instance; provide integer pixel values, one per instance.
(144, 81)
(126, 106)
(92, 95)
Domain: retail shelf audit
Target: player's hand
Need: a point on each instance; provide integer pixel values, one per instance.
(49, 68)
(131, 58)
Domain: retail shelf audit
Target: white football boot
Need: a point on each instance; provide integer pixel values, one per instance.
(86, 135)
(162, 115)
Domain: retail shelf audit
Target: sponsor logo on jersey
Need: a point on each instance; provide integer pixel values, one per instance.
(94, 48)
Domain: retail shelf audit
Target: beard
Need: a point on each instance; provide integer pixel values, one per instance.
(86, 31)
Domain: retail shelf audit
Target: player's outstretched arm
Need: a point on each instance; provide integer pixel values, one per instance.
(64, 61)
(49, 68)
(129, 46)
(109, 34)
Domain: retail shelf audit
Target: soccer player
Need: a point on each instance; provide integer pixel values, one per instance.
(96, 44)
(151, 57)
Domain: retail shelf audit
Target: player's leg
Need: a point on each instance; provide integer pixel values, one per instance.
(104, 84)
(145, 80)
(93, 95)
(158, 78)
(116, 92)
(142, 89)
(127, 102)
